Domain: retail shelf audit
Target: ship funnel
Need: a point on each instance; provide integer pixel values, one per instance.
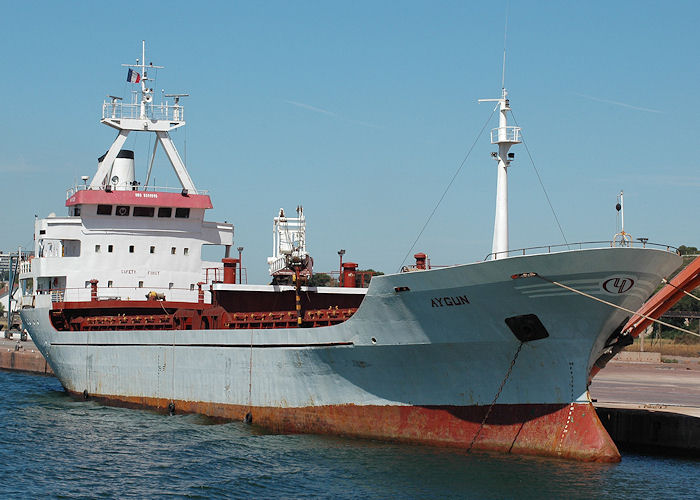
(121, 177)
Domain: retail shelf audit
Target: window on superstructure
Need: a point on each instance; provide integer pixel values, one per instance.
(165, 212)
(122, 210)
(171, 285)
(104, 209)
(173, 251)
(191, 286)
(144, 211)
(186, 251)
(182, 213)
(76, 210)
(131, 248)
(153, 249)
(97, 248)
(140, 284)
(110, 248)
(110, 283)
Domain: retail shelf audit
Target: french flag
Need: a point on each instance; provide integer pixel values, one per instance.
(133, 77)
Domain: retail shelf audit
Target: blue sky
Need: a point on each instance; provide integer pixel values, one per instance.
(363, 111)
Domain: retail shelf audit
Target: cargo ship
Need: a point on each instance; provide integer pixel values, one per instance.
(493, 355)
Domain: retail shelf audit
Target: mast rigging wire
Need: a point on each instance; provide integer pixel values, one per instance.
(448, 187)
(540, 180)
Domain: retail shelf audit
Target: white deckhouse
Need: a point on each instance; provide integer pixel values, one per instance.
(131, 238)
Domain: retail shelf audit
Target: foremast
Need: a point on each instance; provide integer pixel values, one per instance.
(505, 136)
(143, 116)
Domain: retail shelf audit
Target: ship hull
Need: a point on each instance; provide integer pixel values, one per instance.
(427, 358)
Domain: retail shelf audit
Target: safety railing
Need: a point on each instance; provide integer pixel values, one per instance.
(160, 189)
(505, 134)
(563, 247)
(163, 111)
(79, 294)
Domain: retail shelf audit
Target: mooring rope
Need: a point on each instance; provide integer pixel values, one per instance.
(684, 291)
(634, 313)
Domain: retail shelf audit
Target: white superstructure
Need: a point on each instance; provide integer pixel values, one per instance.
(132, 239)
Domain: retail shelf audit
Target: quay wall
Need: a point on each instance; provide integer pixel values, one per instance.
(15, 356)
(652, 431)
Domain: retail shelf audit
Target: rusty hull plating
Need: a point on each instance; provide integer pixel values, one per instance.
(571, 431)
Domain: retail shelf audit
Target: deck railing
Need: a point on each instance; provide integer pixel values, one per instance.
(563, 247)
(164, 111)
(80, 294)
(160, 189)
(505, 134)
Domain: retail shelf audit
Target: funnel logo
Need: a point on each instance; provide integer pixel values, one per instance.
(618, 284)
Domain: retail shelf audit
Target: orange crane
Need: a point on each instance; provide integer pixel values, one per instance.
(688, 279)
(663, 300)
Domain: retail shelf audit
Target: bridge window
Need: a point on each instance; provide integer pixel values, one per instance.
(187, 251)
(110, 248)
(104, 209)
(122, 210)
(165, 212)
(144, 211)
(182, 213)
(97, 248)
(131, 248)
(173, 250)
(153, 249)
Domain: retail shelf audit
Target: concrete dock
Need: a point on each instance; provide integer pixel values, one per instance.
(22, 356)
(646, 406)
(651, 406)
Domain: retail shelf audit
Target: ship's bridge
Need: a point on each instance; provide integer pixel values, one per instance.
(174, 199)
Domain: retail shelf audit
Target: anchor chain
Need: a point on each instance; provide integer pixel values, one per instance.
(498, 394)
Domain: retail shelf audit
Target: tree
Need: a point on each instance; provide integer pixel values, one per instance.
(686, 304)
(367, 275)
(321, 279)
(685, 250)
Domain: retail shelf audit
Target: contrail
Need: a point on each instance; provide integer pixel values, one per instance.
(311, 108)
(618, 103)
(331, 113)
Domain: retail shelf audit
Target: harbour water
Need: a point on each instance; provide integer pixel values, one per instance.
(52, 445)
